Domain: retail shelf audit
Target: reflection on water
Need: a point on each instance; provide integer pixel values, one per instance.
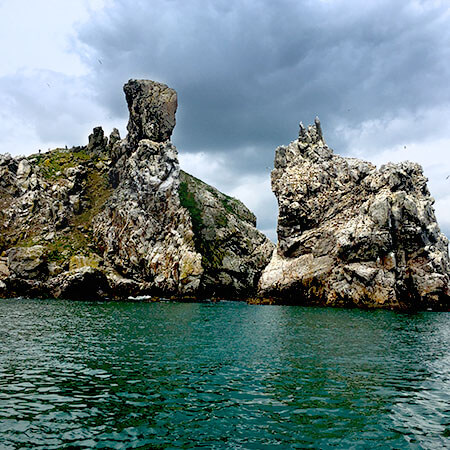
(126, 375)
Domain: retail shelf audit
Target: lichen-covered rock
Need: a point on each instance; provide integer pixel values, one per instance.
(233, 252)
(4, 270)
(350, 234)
(80, 261)
(143, 230)
(165, 228)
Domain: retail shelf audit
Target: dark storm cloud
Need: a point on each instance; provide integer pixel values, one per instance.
(248, 71)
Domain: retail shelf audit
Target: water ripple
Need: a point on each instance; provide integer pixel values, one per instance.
(126, 375)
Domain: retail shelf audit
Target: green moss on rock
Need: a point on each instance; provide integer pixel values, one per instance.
(187, 200)
(53, 163)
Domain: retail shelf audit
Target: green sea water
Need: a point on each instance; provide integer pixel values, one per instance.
(224, 375)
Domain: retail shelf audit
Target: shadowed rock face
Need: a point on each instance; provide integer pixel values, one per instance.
(152, 109)
(350, 234)
(233, 251)
(119, 218)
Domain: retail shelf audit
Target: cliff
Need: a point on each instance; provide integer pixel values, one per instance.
(118, 218)
(350, 234)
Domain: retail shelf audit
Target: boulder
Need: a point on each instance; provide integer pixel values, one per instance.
(27, 262)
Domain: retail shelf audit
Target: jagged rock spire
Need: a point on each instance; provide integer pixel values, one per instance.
(312, 134)
(352, 234)
(97, 140)
(318, 127)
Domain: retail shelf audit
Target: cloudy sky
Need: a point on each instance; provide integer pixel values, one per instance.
(377, 73)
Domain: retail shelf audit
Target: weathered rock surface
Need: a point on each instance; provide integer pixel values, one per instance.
(351, 234)
(163, 226)
(152, 109)
(27, 262)
(119, 218)
(234, 252)
(85, 283)
(97, 140)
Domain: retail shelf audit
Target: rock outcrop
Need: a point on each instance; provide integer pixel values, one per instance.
(233, 252)
(354, 235)
(160, 225)
(118, 218)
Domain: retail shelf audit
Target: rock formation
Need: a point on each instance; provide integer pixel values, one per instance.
(351, 234)
(119, 218)
(152, 109)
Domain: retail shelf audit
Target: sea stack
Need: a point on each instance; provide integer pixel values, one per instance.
(164, 228)
(350, 234)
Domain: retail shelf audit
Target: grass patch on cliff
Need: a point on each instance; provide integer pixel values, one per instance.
(73, 235)
(187, 200)
(62, 248)
(53, 163)
(97, 192)
(231, 205)
(78, 240)
(227, 203)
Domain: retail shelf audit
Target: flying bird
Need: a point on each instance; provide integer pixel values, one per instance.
(100, 61)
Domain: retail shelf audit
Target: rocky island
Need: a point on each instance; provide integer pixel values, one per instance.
(119, 218)
(350, 234)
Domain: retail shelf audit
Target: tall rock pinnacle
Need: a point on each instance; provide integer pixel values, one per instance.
(152, 107)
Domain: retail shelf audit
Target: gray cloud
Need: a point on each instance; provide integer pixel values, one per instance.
(376, 72)
(248, 71)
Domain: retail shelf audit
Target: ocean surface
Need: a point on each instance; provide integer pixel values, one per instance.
(224, 375)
